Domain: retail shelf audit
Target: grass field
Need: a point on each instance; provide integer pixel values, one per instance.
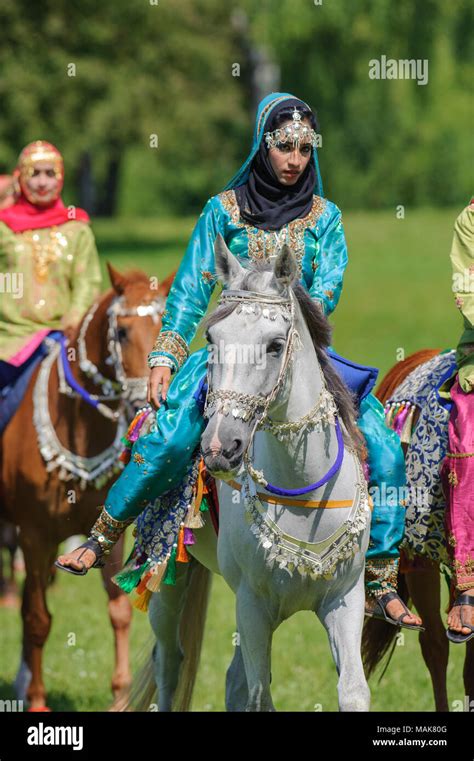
(396, 297)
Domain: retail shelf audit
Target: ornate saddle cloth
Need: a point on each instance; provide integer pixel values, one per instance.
(427, 445)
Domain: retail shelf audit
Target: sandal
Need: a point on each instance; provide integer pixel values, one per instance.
(89, 544)
(458, 637)
(379, 612)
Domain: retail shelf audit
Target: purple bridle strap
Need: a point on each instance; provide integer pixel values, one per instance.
(331, 472)
(71, 379)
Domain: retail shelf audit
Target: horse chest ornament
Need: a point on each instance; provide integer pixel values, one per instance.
(313, 559)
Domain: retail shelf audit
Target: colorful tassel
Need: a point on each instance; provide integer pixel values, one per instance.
(170, 577)
(189, 537)
(204, 505)
(128, 578)
(141, 601)
(143, 583)
(182, 555)
(154, 582)
(196, 521)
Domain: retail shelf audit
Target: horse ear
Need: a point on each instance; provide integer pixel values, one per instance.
(118, 281)
(228, 267)
(165, 285)
(285, 269)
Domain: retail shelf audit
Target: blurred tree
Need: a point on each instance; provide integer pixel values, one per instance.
(152, 102)
(384, 141)
(98, 80)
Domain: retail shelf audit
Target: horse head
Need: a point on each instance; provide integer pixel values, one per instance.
(250, 340)
(117, 333)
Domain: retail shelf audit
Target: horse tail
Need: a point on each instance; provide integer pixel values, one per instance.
(193, 619)
(143, 693)
(379, 637)
(401, 370)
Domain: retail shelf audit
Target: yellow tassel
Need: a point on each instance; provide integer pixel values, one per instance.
(189, 515)
(141, 601)
(405, 434)
(154, 582)
(196, 521)
(182, 555)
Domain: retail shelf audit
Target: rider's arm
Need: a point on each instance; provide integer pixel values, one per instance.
(85, 278)
(462, 260)
(330, 259)
(191, 291)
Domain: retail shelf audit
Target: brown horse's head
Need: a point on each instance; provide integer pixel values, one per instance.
(123, 329)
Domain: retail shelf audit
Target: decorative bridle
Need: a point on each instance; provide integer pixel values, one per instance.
(247, 406)
(98, 469)
(120, 386)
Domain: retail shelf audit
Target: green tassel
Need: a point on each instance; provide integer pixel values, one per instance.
(126, 442)
(204, 505)
(128, 578)
(170, 577)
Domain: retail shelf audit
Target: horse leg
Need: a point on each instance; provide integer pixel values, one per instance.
(120, 614)
(36, 616)
(255, 626)
(164, 613)
(236, 690)
(424, 589)
(343, 620)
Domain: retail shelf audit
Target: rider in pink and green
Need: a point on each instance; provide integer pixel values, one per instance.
(458, 466)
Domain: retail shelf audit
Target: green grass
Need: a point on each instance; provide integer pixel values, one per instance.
(396, 296)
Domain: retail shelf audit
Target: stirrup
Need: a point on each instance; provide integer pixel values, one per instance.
(458, 637)
(379, 612)
(89, 544)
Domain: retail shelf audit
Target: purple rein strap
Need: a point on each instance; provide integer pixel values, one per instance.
(79, 389)
(331, 472)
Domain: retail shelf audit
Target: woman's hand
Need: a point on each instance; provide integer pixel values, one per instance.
(159, 376)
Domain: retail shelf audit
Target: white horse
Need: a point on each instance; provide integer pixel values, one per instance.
(294, 514)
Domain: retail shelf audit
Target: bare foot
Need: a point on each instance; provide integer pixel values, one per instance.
(454, 616)
(78, 559)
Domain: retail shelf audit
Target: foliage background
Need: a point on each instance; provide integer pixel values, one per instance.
(157, 67)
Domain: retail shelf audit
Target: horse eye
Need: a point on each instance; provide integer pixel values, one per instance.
(274, 347)
(122, 334)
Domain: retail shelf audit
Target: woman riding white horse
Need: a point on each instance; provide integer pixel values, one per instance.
(275, 197)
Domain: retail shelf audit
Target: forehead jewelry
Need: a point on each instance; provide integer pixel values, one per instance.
(295, 132)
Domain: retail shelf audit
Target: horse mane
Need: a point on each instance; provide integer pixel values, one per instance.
(320, 331)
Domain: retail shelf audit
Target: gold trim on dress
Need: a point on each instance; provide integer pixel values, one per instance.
(264, 244)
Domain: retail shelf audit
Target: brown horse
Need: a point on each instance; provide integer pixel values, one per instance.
(421, 583)
(47, 490)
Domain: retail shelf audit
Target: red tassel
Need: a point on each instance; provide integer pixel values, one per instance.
(182, 555)
(142, 585)
(125, 456)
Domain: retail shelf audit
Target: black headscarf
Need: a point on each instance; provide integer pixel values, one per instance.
(263, 201)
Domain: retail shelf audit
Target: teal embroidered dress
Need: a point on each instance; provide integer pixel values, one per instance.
(161, 458)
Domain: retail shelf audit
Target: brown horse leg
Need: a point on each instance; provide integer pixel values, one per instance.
(36, 616)
(424, 587)
(120, 613)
